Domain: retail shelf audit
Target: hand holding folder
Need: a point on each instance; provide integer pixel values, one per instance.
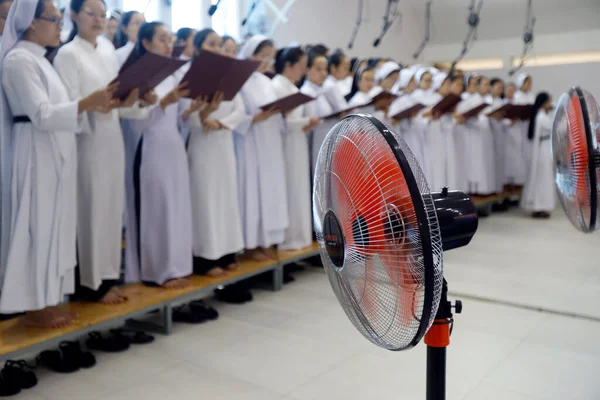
(410, 112)
(144, 73)
(446, 105)
(211, 73)
(339, 114)
(288, 103)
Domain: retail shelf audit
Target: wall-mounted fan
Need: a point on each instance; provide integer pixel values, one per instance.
(382, 234)
(575, 134)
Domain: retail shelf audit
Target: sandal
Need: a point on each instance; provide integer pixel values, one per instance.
(180, 315)
(55, 361)
(199, 307)
(72, 350)
(20, 373)
(110, 344)
(8, 386)
(133, 337)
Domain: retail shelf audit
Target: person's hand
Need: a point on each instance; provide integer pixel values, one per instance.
(345, 114)
(428, 113)
(176, 94)
(101, 100)
(313, 122)
(216, 101)
(435, 115)
(460, 119)
(264, 115)
(212, 125)
(149, 98)
(383, 104)
(198, 104)
(395, 121)
(133, 96)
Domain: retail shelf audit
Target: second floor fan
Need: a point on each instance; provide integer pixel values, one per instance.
(575, 135)
(382, 235)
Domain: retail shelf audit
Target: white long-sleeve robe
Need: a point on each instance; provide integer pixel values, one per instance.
(297, 158)
(41, 247)
(124, 52)
(539, 193)
(217, 223)
(409, 131)
(159, 210)
(320, 107)
(500, 132)
(101, 160)
(261, 169)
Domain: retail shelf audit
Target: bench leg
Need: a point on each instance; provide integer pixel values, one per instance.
(167, 319)
(278, 278)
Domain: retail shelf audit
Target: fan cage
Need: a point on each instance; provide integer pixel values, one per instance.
(389, 284)
(575, 134)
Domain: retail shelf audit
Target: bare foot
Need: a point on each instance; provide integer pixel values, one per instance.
(177, 283)
(46, 318)
(216, 272)
(233, 266)
(270, 253)
(119, 292)
(257, 255)
(112, 298)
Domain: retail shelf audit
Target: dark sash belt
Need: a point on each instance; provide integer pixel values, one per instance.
(21, 119)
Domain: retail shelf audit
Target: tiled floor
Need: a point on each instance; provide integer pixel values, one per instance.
(298, 344)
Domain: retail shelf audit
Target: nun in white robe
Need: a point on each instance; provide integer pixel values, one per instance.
(405, 127)
(298, 235)
(39, 173)
(261, 165)
(159, 209)
(500, 132)
(524, 98)
(217, 224)
(539, 193)
(101, 166)
(517, 146)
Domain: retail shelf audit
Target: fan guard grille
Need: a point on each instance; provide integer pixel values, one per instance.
(389, 277)
(575, 135)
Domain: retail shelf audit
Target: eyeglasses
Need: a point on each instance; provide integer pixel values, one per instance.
(55, 20)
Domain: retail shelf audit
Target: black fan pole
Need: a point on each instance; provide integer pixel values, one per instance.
(437, 339)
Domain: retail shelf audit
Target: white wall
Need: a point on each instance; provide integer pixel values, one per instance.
(554, 79)
(331, 22)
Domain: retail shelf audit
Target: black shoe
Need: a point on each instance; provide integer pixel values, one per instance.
(233, 294)
(72, 350)
(110, 344)
(199, 307)
(180, 314)
(20, 373)
(133, 337)
(57, 362)
(8, 386)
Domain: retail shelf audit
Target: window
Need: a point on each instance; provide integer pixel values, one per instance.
(147, 7)
(474, 64)
(186, 14)
(558, 59)
(226, 20)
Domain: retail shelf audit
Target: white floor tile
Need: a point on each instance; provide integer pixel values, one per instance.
(490, 391)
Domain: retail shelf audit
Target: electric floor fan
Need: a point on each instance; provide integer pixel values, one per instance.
(382, 234)
(575, 135)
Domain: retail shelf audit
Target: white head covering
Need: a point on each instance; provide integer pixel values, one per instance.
(20, 17)
(405, 76)
(521, 80)
(438, 80)
(250, 46)
(67, 24)
(385, 70)
(422, 72)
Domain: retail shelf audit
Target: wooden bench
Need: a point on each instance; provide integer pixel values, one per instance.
(17, 340)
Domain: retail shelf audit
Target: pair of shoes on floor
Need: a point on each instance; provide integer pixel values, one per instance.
(132, 336)
(67, 359)
(237, 293)
(540, 215)
(16, 376)
(196, 312)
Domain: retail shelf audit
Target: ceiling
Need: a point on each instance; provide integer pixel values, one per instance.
(506, 18)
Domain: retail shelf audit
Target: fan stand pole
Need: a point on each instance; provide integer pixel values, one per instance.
(437, 339)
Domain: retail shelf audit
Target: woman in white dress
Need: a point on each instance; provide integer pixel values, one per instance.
(39, 167)
(539, 193)
(363, 83)
(229, 46)
(85, 64)
(290, 65)
(185, 39)
(405, 86)
(259, 153)
(339, 72)
(127, 35)
(217, 224)
(320, 107)
(518, 148)
(525, 95)
(485, 139)
(159, 211)
(499, 130)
